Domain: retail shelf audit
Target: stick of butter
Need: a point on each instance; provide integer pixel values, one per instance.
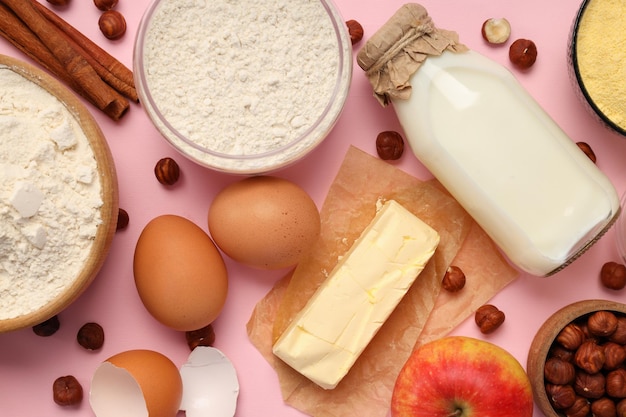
(327, 336)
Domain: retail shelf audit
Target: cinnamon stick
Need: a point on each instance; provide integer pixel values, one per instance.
(108, 67)
(89, 82)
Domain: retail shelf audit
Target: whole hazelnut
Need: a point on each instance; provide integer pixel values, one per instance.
(112, 24)
(584, 146)
(614, 355)
(561, 396)
(589, 385)
(558, 371)
(603, 407)
(619, 335)
(454, 279)
(66, 390)
(589, 357)
(122, 219)
(389, 145)
(571, 337)
(580, 408)
(496, 30)
(167, 171)
(90, 336)
(613, 275)
(488, 318)
(602, 323)
(201, 337)
(105, 5)
(621, 408)
(47, 327)
(523, 53)
(355, 30)
(616, 383)
(559, 352)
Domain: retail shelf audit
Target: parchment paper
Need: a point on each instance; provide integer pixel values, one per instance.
(425, 313)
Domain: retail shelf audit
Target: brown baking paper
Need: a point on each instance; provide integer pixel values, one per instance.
(392, 55)
(361, 182)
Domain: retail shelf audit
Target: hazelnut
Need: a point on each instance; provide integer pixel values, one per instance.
(488, 318)
(584, 146)
(619, 335)
(90, 336)
(201, 337)
(613, 275)
(603, 407)
(561, 396)
(614, 355)
(454, 279)
(559, 352)
(621, 408)
(589, 357)
(589, 385)
(581, 408)
(105, 5)
(616, 383)
(389, 145)
(48, 327)
(558, 371)
(571, 337)
(355, 30)
(602, 323)
(167, 171)
(496, 30)
(523, 53)
(122, 219)
(112, 24)
(66, 390)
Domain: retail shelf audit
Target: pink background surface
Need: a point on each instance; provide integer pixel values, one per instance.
(29, 364)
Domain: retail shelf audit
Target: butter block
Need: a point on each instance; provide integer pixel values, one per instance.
(327, 336)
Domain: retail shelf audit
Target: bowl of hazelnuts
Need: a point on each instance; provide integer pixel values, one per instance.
(577, 361)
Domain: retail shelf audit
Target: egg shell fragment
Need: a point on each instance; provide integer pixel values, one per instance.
(210, 384)
(179, 273)
(264, 222)
(136, 383)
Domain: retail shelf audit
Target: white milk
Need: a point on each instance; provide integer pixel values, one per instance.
(530, 187)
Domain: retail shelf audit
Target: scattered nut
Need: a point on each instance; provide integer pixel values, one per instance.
(454, 279)
(603, 407)
(559, 372)
(58, 2)
(201, 337)
(584, 146)
(90, 336)
(355, 30)
(616, 383)
(167, 171)
(48, 327)
(613, 275)
(589, 385)
(488, 318)
(523, 53)
(389, 145)
(571, 337)
(122, 219)
(66, 390)
(496, 30)
(590, 357)
(561, 396)
(112, 24)
(602, 323)
(105, 5)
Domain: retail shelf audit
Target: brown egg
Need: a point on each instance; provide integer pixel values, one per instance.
(264, 221)
(180, 275)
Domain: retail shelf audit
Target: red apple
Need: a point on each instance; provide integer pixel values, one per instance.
(459, 376)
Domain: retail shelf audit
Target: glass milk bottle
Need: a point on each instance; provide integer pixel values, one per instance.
(471, 123)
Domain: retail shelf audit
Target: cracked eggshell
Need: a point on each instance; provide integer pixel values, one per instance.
(211, 387)
(136, 383)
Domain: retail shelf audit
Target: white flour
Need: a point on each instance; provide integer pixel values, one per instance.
(244, 77)
(49, 196)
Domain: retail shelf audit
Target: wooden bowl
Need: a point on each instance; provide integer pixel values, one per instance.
(545, 337)
(108, 181)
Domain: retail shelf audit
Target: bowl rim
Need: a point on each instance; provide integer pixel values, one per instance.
(576, 69)
(545, 336)
(262, 162)
(109, 189)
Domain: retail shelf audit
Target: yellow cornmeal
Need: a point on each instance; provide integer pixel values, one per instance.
(601, 51)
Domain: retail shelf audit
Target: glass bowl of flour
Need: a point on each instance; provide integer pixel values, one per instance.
(239, 86)
(58, 196)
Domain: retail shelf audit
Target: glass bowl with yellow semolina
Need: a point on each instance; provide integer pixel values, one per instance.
(598, 59)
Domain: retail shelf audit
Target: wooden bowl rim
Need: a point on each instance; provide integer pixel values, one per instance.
(545, 336)
(109, 187)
